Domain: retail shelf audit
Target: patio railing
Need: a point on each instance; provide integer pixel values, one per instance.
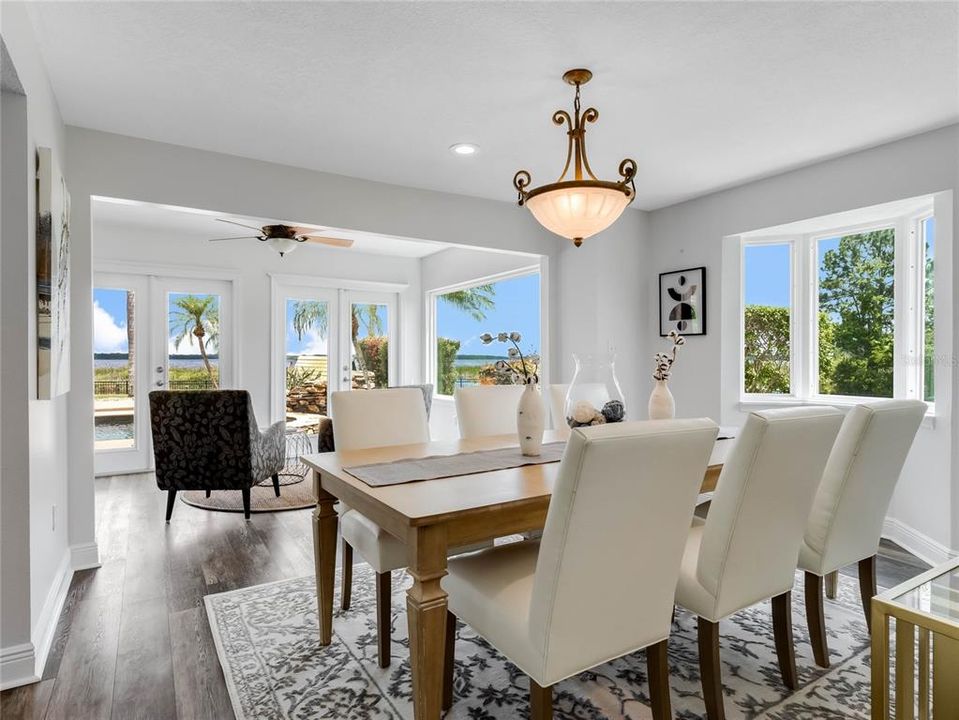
(124, 388)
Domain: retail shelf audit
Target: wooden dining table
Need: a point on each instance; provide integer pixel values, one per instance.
(431, 516)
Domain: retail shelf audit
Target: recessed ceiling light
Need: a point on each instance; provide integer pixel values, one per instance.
(464, 149)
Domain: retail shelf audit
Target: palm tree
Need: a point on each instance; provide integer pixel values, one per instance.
(197, 317)
(474, 301)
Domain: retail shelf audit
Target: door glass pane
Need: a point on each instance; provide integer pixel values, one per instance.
(114, 352)
(767, 315)
(369, 347)
(307, 362)
(856, 304)
(193, 361)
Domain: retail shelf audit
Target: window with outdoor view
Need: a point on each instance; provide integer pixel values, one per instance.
(461, 316)
(767, 318)
(856, 279)
(928, 238)
(834, 313)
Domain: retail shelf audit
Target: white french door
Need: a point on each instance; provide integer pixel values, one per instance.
(153, 332)
(368, 357)
(328, 339)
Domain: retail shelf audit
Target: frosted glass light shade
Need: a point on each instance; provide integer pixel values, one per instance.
(282, 245)
(578, 211)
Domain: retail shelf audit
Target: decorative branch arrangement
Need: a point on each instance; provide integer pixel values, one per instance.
(664, 361)
(527, 371)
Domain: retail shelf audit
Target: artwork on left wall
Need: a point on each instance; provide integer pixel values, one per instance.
(53, 278)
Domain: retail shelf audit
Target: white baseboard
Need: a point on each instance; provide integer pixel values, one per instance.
(17, 666)
(919, 544)
(84, 556)
(45, 627)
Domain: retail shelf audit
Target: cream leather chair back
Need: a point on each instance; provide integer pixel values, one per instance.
(858, 482)
(487, 409)
(376, 418)
(614, 537)
(758, 515)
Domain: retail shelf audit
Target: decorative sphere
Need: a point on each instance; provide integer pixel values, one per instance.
(614, 411)
(583, 412)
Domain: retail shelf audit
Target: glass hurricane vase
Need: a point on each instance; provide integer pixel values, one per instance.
(594, 396)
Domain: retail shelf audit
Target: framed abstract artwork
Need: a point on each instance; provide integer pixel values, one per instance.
(53, 278)
(682, 302)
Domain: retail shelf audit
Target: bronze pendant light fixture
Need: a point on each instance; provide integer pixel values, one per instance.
(582, 206)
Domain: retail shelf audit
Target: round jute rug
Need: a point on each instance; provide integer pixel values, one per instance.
(262, 498)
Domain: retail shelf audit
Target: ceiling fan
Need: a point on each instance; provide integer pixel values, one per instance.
(285, 238)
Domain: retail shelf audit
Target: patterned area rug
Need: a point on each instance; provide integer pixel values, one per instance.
(293, 496)
(266, 639)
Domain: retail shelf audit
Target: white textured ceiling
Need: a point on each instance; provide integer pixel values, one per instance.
(202, 225)
(702, 95)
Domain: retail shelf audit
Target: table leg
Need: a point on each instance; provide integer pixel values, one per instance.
(426, 607)
(324, 557)
(879, 664)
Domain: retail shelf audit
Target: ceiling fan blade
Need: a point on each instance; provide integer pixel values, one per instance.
(334, 242)
(247, 237)
(307, 229)
(234, 222)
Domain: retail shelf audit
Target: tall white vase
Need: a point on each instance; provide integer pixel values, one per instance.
(662, 406)
(531, 420)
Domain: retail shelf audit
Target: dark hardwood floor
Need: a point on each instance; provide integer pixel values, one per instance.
(133, 641)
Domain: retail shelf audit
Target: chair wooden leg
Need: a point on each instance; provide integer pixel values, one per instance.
(346, 591)
(832, 584)
(208, 493)
(383, 617)
(783, 634)
(170, 499)
(657, 668)
(246, 503)
(816, 618)
(276, 484)
(540, 701)
(448, 660)
(867, 586)
(710, 670)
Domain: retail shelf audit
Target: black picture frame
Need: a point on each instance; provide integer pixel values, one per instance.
(681, 277)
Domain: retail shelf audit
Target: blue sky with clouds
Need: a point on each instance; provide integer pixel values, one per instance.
(517, 309)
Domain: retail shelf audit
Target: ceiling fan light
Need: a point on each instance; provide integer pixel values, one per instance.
(282, 245)
(578, 212)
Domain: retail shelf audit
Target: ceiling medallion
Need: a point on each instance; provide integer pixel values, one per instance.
(584, 205)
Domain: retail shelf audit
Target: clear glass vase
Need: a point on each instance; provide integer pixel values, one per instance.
(594, 396)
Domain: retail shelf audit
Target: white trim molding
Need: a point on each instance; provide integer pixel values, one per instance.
(919, 544)
(85, 556)
(17, 666)
(45, 626)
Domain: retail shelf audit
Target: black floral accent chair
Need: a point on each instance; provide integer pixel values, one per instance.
(209, 440)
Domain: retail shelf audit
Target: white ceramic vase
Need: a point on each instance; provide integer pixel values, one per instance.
(661, 403)
(531, 420)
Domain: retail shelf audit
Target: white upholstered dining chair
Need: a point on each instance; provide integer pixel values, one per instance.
(851, 503)
(365, 419)
(745, 551)
(485, 410)
(566, 603)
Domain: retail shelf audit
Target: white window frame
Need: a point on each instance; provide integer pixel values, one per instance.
(908, 340)
(431, 299)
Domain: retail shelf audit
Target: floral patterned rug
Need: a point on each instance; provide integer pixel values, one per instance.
(266, 639)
